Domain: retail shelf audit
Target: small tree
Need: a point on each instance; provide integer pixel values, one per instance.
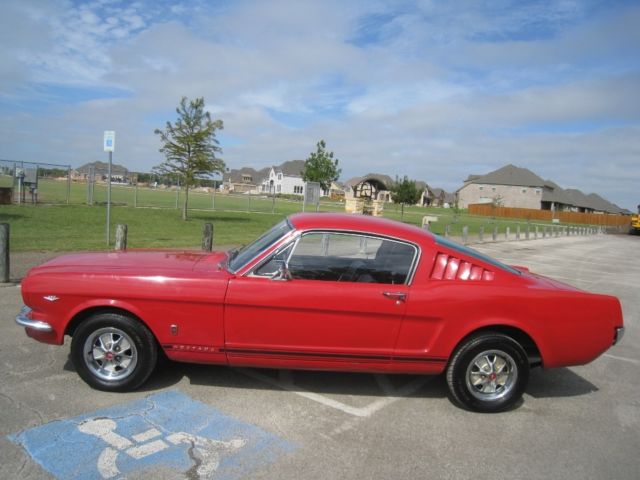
(405, 192)
(321, 167)
(190, 146)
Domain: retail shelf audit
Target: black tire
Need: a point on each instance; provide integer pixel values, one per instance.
(113, 352)
(488, 373)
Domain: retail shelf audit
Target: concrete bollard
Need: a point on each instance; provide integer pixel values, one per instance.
(481, 233)
(535, 233)
(507, 233)
(465, 234)
(5, 265)
(518, 232)
(447, 230)
(494, 236)
(527, 232)
(207, 237)
(121, 237)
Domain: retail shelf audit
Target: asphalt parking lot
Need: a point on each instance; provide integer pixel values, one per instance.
(574, 423)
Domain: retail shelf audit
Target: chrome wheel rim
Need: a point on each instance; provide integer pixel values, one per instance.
(491, 375)
(110, 354)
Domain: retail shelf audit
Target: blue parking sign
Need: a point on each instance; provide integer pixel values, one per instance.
(109, 140)
(168, 432)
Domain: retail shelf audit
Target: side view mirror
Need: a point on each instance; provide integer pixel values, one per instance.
(282, 274)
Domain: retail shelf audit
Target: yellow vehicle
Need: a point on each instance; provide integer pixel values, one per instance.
(635, 224)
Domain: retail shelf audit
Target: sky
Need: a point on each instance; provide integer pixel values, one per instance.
(434, 90)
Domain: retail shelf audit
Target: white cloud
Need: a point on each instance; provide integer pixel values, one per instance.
(434, 90)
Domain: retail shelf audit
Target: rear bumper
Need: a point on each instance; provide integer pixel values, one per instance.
(23, 318)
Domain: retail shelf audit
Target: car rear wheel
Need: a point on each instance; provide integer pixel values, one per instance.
(113, 352)
(488, 373)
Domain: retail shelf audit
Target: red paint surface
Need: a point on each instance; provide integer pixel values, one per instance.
(244, 320)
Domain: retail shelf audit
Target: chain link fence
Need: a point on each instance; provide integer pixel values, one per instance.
(30, 182)
(44, 183)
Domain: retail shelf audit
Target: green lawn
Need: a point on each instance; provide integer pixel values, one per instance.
(156, 222)
(81, 227)
(75, 227)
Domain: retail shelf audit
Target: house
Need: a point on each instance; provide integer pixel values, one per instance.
(377, 186)
(555, 198)
(427, 197)
(100, 172)
(592, 203)
(442, 198)
(285, 179)
(518, 187)
(372, 186)
(367, 194)
(337, 191)
(243, 180)
(509, 186)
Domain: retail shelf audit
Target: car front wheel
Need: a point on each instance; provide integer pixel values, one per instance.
(113, 352)
(488, 373)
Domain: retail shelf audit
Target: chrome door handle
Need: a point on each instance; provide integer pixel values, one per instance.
(397, 296)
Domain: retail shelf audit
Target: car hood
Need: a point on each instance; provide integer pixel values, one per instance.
(133, 262)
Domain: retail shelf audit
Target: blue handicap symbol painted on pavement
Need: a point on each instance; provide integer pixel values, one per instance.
(168, 431)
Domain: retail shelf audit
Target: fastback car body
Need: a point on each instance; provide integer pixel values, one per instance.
(320, 291)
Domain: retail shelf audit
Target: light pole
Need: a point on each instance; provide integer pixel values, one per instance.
(109, 145)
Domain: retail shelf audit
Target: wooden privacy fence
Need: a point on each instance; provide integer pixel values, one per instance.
(488, 210)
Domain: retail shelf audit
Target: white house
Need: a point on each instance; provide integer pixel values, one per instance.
(285, 179)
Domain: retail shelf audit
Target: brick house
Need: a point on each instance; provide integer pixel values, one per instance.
(517, 187)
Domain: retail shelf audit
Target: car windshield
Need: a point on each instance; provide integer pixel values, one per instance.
(239, 258)
(474, 253)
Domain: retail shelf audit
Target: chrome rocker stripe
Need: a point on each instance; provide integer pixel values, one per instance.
(343, 356)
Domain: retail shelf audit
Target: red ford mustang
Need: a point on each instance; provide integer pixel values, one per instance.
(320, 291)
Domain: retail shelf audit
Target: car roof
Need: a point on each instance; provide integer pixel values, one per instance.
(360, 223)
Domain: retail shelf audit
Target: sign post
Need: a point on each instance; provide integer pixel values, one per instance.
(109, 146)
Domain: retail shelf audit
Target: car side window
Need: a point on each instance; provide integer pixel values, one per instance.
(346, 257)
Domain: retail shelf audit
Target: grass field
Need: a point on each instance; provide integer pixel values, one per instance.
(156, 222)
(76, 227)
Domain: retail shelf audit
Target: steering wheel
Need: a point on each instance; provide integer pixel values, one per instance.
(352, 273)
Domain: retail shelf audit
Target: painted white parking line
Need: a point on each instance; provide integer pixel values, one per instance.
(623, 359)
(285, 382)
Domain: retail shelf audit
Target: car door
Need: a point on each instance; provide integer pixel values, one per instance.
(342, 300)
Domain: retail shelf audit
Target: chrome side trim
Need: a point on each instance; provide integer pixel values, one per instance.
(619, 333)
(23, 319)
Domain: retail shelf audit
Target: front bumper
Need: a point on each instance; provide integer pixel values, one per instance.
(23, 318)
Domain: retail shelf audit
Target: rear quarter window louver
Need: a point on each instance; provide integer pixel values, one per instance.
(448, 267)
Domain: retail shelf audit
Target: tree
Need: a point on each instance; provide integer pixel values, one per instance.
(190, 146)
(321, 167)
(405, 192)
